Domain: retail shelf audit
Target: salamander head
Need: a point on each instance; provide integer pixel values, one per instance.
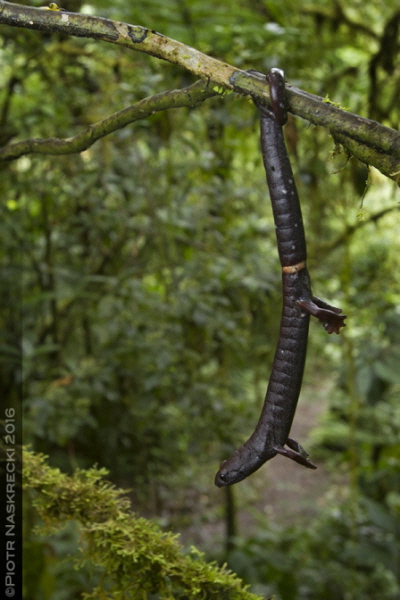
(229, 474)
(240, 465)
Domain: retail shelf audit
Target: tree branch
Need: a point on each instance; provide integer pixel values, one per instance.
(189, 96)
(369, 141)
(325, 249)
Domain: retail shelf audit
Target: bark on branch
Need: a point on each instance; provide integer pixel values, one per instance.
(189, 96)
(369, 141)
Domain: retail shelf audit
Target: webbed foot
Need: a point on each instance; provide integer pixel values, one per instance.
(329, 316)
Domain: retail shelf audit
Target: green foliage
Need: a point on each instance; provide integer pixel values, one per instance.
(151, 296)
(136, 559)
(350, 551)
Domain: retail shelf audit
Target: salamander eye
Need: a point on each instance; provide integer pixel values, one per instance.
(221, 479)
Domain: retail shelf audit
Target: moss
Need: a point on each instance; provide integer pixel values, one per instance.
(327, 100)
(137, 558)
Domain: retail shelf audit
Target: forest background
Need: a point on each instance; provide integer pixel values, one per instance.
(151, 292)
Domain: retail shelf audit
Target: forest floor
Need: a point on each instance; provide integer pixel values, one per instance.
(281, 492)
(293, 494)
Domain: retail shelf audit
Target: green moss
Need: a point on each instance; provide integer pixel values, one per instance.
(219, 89)
(138, 559)
(337, 104)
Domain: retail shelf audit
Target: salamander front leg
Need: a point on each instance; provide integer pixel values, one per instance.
(297, 453)
(294, 445)
(327, 314)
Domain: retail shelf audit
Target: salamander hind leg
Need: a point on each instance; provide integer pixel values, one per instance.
(327, 314)
(297, 453)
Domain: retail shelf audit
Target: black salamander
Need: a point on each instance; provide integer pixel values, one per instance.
(271, 435)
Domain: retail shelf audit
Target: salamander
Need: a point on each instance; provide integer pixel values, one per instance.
(271, 435)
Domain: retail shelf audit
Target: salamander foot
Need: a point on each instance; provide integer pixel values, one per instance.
(329, 316)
